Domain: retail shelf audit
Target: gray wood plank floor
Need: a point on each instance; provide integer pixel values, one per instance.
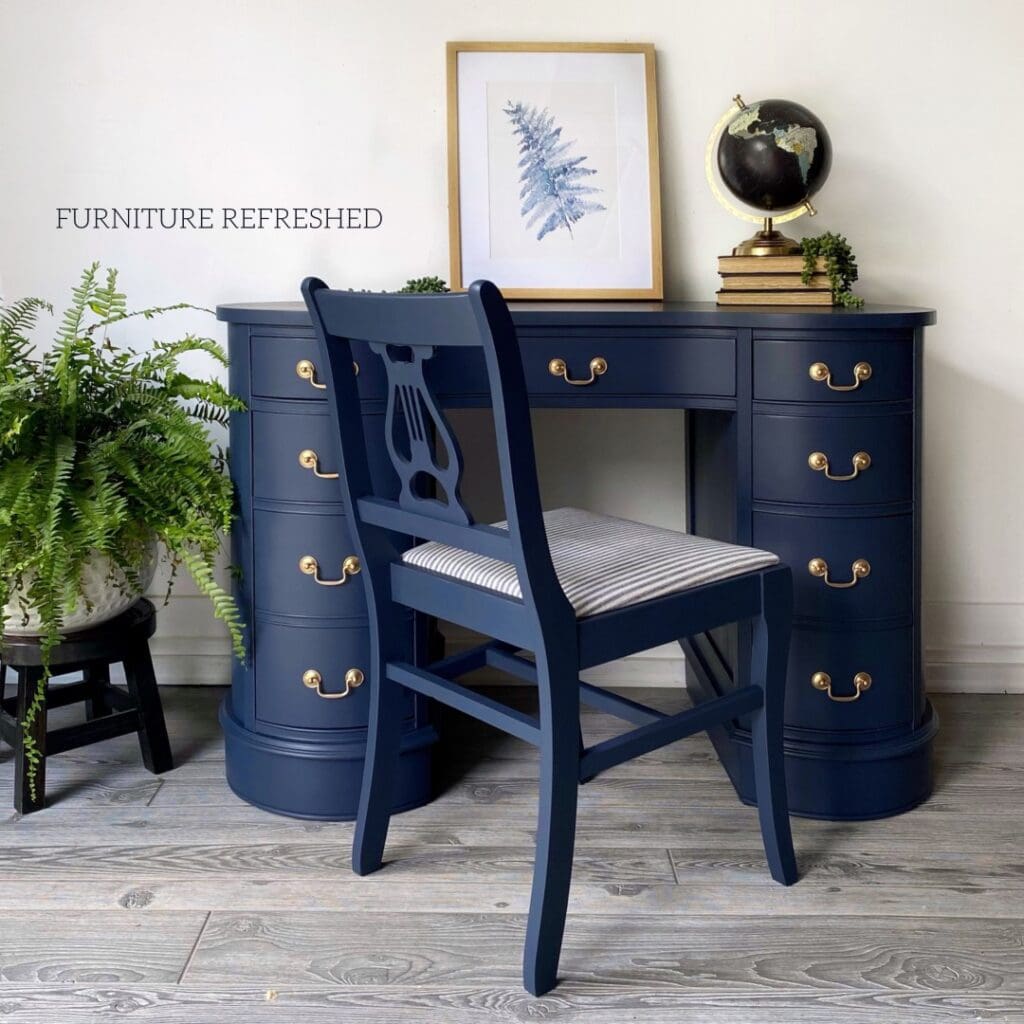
(169, 900)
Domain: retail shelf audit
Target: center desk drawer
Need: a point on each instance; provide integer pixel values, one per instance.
(820, 460)
(286, 582)
(670, 365)
(284, 657)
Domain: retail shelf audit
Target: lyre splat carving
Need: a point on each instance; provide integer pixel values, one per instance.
(415, 431)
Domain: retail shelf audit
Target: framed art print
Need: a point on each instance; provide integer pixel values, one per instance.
(553, 169)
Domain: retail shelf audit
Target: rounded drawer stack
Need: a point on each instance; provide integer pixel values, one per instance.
(295, 720)
(835, 487)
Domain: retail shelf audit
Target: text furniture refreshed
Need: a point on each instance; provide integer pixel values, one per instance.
(109, 711)
(803, 437)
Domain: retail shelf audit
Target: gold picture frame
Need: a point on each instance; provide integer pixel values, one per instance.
(640, 268)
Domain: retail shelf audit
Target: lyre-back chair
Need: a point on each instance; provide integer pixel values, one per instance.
(572, 588)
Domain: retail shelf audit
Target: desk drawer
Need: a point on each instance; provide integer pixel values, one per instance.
(280, 438)
(883, 371)
(882, 545)
(278, 441)
(284, 539)
(284, 654)
(276, 362)
(846, 657)
(680, 365)
(783, 446)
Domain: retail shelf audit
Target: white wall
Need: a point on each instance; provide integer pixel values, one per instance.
(216, 102)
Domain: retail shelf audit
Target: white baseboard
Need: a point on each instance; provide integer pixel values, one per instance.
(974, 647)
(970, 648)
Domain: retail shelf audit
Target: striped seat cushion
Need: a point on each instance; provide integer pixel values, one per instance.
(603, 563)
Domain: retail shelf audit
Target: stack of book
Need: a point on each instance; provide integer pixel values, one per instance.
(771, 281)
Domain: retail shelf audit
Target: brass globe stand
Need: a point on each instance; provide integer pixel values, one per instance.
(767, 242)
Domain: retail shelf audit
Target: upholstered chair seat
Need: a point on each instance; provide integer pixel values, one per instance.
(602, 563)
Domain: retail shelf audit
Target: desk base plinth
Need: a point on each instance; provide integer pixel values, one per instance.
(319, 781)
(837, 782)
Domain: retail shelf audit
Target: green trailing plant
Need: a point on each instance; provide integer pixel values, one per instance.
(840, 265)
(102, 450)
(427, 285)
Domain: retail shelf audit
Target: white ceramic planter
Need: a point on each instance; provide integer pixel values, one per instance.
(107, 599)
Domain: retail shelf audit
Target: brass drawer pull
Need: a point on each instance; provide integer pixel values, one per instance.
(860, 568)
(821, 373)
(598, 367)
(350, 567)
(818, 461)
(354, 678)
(823, 681)
(305, 369)
(308, 459)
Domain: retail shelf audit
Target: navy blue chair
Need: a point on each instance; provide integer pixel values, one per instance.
(572, 588)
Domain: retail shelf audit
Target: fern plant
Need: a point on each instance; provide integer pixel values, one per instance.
(552, 180)
(103, 449)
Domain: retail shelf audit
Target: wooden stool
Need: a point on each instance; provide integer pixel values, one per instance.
(110, 712)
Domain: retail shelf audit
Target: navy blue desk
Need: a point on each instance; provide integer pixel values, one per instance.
(804, 437)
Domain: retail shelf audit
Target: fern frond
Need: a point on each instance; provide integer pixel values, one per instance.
(149, 313)
(551, 179)
(16, 320)
(107, 302)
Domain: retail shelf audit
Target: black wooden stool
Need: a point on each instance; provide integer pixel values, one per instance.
(110, 712)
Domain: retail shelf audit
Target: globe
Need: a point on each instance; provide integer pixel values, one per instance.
(774, 155)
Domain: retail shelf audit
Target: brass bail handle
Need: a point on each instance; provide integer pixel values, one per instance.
(818, 461)
(308, 459)
(859, 569)
(310, 567)
(598, 368)
(822, 374)
(823, 681)
(306, 369)
(354, 678)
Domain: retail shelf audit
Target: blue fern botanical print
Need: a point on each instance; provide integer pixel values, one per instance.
(552, 180)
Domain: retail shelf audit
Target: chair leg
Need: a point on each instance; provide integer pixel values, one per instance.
(556, 823)
(138, 672)
(584, 779)
(98, 676)
(380, 769)
(770, 652)
(29, 796)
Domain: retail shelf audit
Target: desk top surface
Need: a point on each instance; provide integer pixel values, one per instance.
(633, 314)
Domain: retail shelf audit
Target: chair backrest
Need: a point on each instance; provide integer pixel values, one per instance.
(406, 331)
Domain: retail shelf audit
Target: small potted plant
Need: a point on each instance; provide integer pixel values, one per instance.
(424, 286)
(104, 454)
(840, 265)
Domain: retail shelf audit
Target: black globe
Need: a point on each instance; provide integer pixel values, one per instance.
(774, 154)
